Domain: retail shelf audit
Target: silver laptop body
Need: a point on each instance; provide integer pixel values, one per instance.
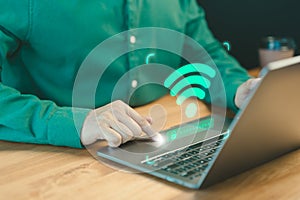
(266, 127)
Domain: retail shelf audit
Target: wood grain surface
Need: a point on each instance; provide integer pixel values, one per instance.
(46, 172)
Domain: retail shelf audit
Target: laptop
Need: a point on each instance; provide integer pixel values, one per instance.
(266, 127)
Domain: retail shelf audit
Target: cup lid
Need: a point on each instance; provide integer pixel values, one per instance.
(278, 43)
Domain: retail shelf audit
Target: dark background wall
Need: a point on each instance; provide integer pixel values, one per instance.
(244, 22)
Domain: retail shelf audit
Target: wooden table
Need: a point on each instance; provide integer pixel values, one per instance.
(47, 172)
(254, 72)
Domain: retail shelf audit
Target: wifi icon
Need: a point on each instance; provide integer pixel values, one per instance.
(190, 81)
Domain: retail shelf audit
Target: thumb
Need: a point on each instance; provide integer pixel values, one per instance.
(254, 82)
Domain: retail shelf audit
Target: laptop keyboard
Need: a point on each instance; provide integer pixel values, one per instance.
(189, 162)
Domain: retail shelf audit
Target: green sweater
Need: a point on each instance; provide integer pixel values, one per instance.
(43, 44)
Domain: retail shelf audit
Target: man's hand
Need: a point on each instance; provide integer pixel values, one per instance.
(244, 90)
(116, 123)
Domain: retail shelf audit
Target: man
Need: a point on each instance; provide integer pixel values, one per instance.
(42, 45)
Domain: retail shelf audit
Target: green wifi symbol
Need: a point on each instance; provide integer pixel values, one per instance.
(185, 83)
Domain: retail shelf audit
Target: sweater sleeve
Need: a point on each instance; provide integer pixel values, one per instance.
(232, 74)
(24, 117)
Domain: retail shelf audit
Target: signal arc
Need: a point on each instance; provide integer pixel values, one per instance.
(191, 92)
(190, 68)
(190, 80)
(148, 57)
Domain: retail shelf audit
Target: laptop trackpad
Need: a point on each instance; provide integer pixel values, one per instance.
(142, 146)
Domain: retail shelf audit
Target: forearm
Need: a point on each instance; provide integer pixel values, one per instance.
(25, 118)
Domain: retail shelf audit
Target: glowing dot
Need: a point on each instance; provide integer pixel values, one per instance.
(191, 110)
(134, 83)
(158, 138)
(132, 39)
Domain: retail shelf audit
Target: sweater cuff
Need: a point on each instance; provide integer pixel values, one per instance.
(65, 125)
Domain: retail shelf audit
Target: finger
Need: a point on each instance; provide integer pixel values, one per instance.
(122, 130)
(150, 120)
(135, 129)
(254, 83)
(141, 121)
(144, 124)
(150, 132)
(113, 138)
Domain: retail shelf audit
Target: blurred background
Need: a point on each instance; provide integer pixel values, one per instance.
(244, 23)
